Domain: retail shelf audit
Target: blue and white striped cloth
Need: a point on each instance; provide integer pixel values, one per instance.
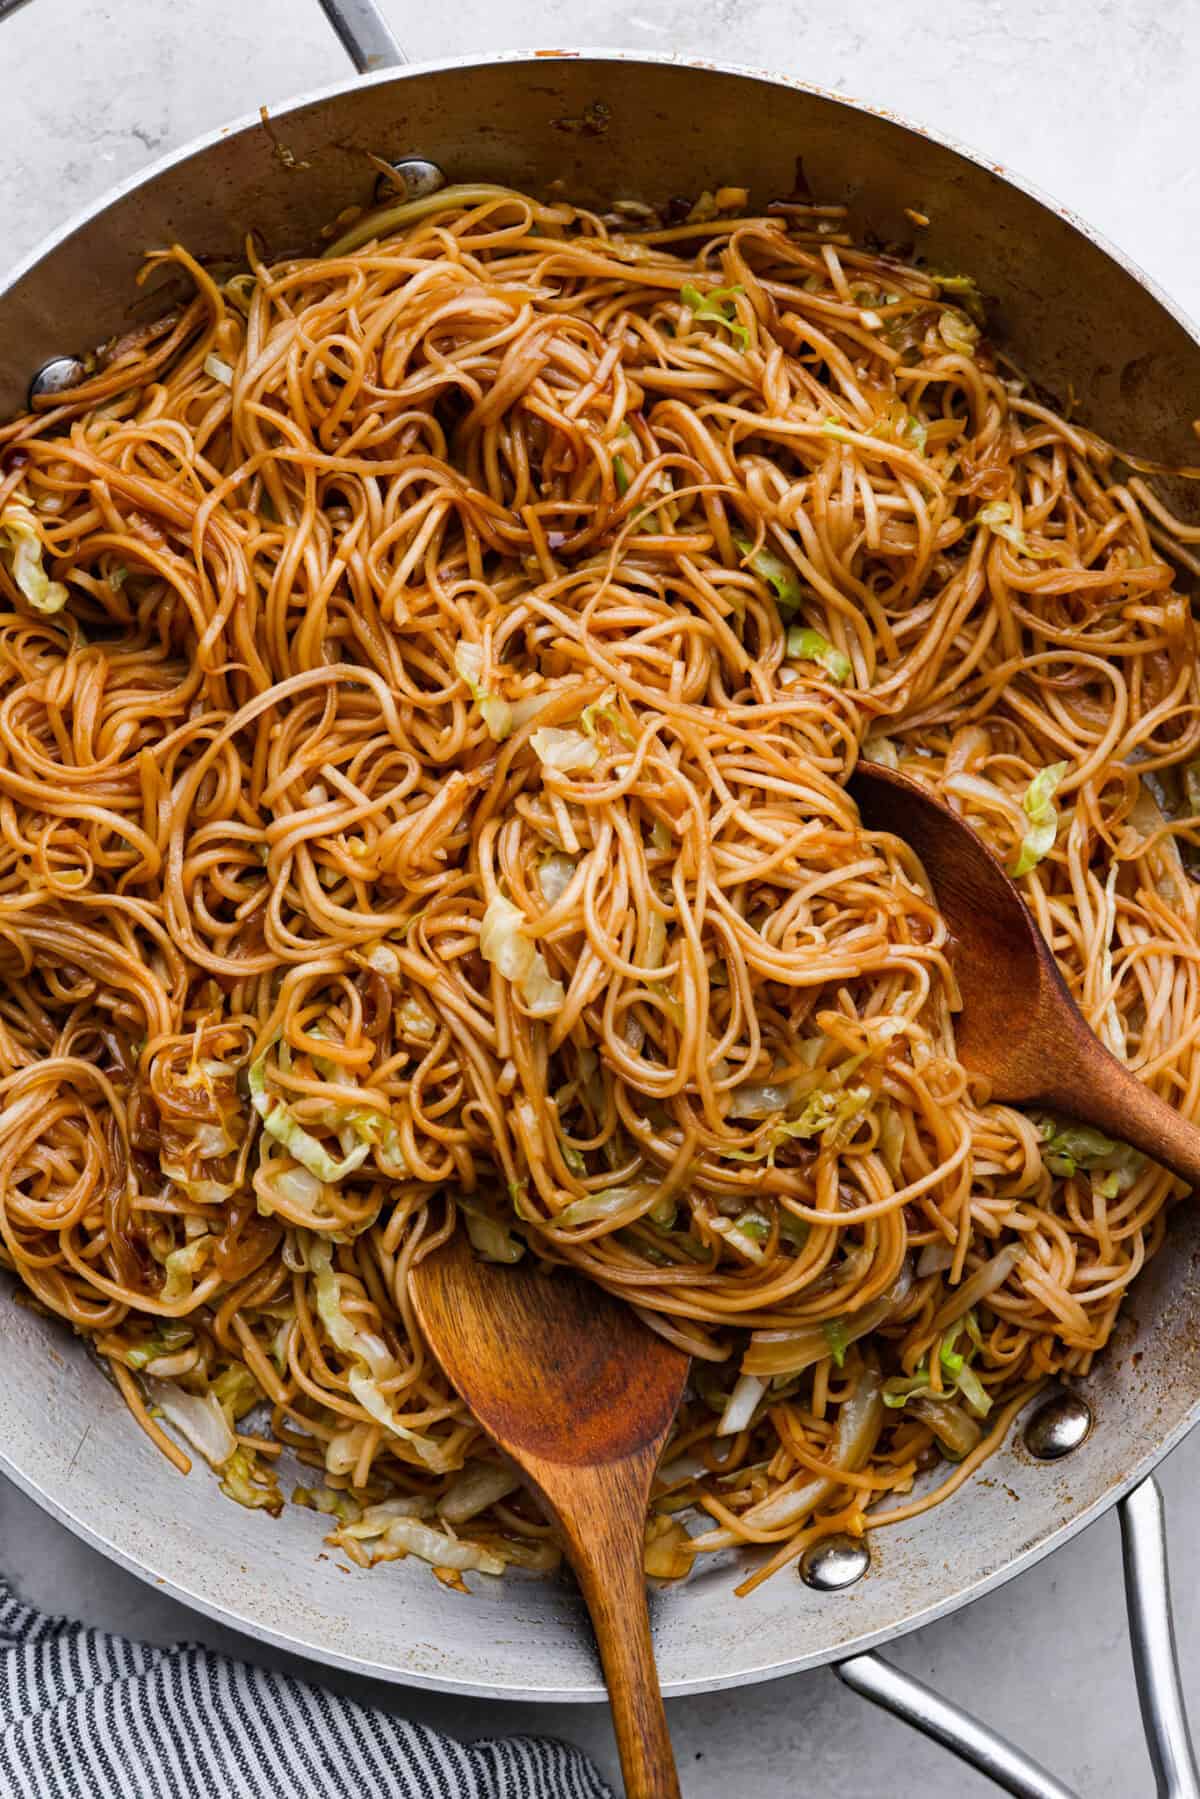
(85, 1715)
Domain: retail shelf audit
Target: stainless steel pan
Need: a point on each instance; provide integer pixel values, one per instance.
(1084, 323)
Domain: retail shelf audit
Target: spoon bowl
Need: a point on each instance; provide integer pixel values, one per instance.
(1019, 1025)
(581, 1395)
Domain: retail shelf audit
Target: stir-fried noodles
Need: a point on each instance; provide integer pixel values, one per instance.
(429, 676)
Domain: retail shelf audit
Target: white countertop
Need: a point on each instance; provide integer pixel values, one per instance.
(1097, 106)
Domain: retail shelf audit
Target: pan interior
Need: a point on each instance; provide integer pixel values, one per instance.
(1083, 324)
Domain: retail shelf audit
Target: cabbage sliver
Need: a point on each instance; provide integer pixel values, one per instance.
(21, 547)
(279, 1123)
(807, 645)
(718, 304)
(371, 1360)
(1038, 807)
(778, 574)
(503, 943)
(497, 713)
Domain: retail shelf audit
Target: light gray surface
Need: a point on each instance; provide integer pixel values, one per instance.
(1098, 117)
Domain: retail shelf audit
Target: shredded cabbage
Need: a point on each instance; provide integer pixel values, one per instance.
(746, 1234)
(279, 1123)
(208, 1143)
(218, 368)
(771, 1353)
(914, 429)
(474, 1490)
(168, 1340)
(294, 1188)
(780, 575)
(605, 708)
(759, 1102)
(998, 519)
(565, 750)
(494, 1242)
(831, 1112)
(251, 1482)
(408, 1536)
(200, 1417)
(180, 1268)
(502, 941)
(21, 544)
(808, 645)
(371, 1360)
(718, 305)
(571, 1156)
(373, 1520)
(965, 287)
(880, 749)
(957, 331)
(523, 711)
(237, 1390)
(743, 1402)
(1038, 807)
(605, 1204)
(384, 960)
(837, 1339)
(282, 1340)
(555, 875)
(956, 1370)
(497, 713)
(667, 1553)
(860, 1420)
(335, 1502)
(1066, 1148)
(415, 1020)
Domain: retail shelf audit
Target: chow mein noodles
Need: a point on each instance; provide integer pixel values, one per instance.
(430, 672)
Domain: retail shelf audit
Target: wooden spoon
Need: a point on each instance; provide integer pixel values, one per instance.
(581, 1394)
(1019, 1025)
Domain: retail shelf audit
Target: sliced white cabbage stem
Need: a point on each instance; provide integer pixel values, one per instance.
(489, 1239)
(985, 1280)
(748, 1389)
(667, 1552)
(496, 712)
(200, 1417)
(405, 1535)
(860, 1421)
(474, 1490)
(503, 942)
(278, 1122)
(570, 752)
(956, 1431)
(775, 1352)
(371, 1361)
(22, 550)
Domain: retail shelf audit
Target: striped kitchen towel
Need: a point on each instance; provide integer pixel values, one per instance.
(85, 1715)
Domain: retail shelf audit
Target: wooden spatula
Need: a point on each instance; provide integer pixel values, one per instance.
(1019, 1025)
(573, 1386)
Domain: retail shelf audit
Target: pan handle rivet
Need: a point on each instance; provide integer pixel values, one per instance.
(53, 376)
(1059, 1425)
(834, 1563)
(416, 178)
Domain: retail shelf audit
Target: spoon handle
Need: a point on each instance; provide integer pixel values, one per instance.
(601, 1511)
(1095, 1088)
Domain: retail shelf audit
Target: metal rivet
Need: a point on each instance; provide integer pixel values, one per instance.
(1059, 1425)
(834, 1562)
(53, 376)
(414, 177)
